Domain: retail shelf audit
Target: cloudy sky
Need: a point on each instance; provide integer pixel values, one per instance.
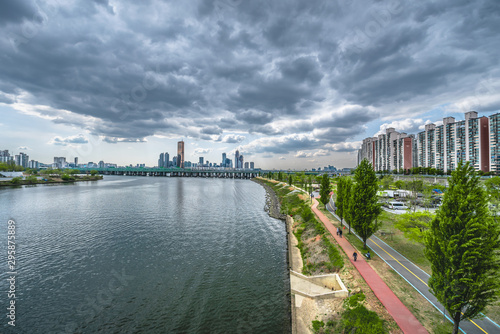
(291, 84)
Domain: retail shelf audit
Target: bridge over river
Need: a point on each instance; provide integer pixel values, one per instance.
(176, 172)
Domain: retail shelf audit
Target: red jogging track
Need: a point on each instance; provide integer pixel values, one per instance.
(403, 317)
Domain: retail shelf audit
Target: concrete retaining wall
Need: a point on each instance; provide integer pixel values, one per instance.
(331, 281)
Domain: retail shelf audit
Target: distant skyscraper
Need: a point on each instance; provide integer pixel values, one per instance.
(252, 165)
(223, 160)
(166, 162)
(5, 156)
(237, 159)
(101, 164)
(241, 162)
(247, 165)
(34, 164)
(200, 161)
(180, 154)
(60, 162)
(22, 159)
(161, 160)
(76, 161)
(174, 161)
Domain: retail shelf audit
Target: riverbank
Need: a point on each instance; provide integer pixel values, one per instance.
(312, 251)
(273, 206)
(51, 180)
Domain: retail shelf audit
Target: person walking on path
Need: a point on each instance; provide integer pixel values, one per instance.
(355, 256)
(340, 233)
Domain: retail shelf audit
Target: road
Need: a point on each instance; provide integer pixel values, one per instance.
(418, 278)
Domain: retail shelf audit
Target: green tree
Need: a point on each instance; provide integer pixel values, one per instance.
(290, 181)
(66, 177)
(414, 224)
(364, 201)
(324, 189)
(31, 179)
(462, 246)
(493, 188)
(347, 205)
(399, 184)
(386, 181)
(93, 172)
(340, 198)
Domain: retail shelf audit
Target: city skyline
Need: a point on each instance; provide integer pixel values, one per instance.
(289, 84)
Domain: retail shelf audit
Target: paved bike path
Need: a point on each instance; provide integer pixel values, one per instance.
(403, 317)
(418, 278)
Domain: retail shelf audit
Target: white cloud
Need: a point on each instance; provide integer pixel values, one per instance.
(302, 154)
(345, 147)
(409, 125)
(202, 150)
(77, 139)
(321, 153)
(232, 139)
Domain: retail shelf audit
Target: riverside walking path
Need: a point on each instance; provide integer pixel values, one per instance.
(403, 317)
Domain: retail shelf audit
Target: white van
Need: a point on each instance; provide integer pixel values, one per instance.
(397, 205)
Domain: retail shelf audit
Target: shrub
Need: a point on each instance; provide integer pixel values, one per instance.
(358, 318)
(362, 321)
(31, 179)
(16, 180)
(66, 177)
(317, 325)
(336, 260)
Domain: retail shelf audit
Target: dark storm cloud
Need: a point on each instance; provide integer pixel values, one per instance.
(16, 11)
(127, 70)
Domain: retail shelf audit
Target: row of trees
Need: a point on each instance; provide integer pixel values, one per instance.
(10, 166)
(299, 179)
(426, 171)
(357, 201)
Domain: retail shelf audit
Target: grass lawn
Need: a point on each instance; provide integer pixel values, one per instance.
(413, 251)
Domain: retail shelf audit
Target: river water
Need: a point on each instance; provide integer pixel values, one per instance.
(144, 255)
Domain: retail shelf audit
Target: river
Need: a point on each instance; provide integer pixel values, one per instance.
(144, 255)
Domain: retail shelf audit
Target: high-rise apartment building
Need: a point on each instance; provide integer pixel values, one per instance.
(389, 151)
(252, 165)
(22, 160)
(5, 156)
(438, 146)
(59, 162)
(180, 154)
(495, 143)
